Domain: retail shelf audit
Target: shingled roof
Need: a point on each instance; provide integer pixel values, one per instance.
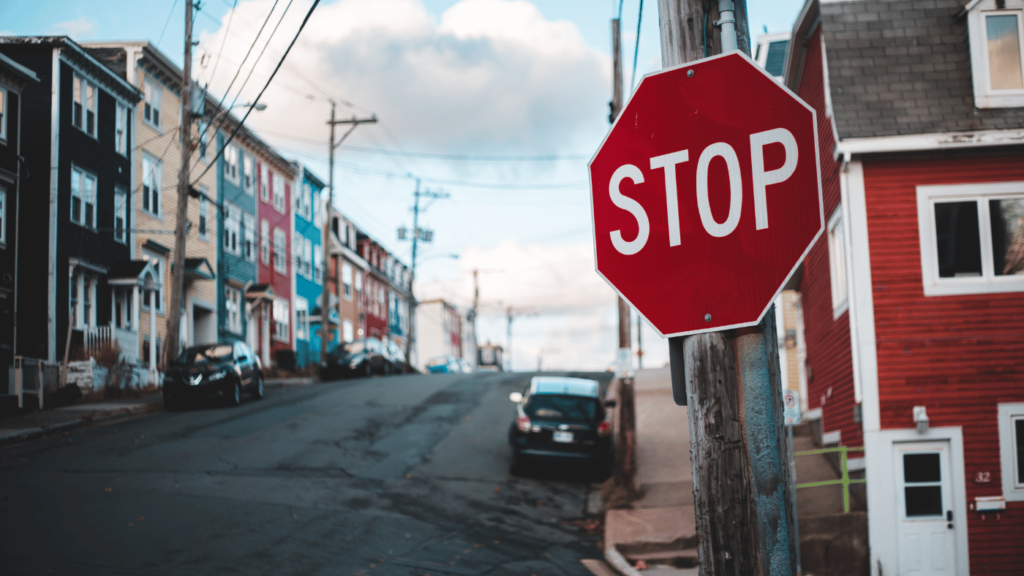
(897, 68)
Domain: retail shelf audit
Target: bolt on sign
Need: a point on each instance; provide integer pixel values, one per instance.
(706, 195)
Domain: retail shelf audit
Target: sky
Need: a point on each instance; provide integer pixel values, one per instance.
(499, 103)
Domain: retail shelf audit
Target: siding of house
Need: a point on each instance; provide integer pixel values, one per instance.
(307, 345)
(234, 269)
(829, 360)
(281, 281)
(957, 355)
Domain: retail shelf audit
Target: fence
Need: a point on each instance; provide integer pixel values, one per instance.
(33, 376)
(845, 479)
(93, 337)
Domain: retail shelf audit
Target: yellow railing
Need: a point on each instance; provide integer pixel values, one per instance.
(845, 480)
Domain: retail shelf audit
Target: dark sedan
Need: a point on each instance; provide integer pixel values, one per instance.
(561, 418)
(363, 357)
(225, 370)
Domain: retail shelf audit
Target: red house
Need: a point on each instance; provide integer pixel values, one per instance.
(913, 301)
(375, 289)
(273, 208)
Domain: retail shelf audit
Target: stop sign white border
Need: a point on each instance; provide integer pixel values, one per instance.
(817, 167)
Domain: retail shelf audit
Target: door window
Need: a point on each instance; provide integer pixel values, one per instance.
(922, 485)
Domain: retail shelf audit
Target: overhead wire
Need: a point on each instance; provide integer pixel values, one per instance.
(231, 16)
(161, 39)
(636, 49)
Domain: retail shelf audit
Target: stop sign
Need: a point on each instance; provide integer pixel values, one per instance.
(706, 195)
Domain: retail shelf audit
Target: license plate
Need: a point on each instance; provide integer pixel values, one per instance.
(563, 437)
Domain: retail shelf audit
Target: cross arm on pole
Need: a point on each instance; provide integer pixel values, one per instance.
(353, 123)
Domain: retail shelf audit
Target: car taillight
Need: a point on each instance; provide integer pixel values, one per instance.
(604, 428)
(523, 423)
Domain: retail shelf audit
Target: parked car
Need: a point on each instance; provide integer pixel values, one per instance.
(465, 367)
(396, 358)
(561, 418)
(224, 369)
(446, 364)
(362, 358)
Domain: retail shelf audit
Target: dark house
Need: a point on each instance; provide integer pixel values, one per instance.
(76, 193)
(13, 79)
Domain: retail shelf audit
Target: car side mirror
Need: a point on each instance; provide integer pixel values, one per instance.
(610, 403)
(516, 397)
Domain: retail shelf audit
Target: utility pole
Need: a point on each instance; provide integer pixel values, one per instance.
(741, 483)
(473, 313)
(173, 335)
(434, 195)
(508, 352)
(325, 297)
(639, 344)
(616, 106)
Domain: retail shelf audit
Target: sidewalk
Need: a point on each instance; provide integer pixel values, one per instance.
(37, 424)
(659, 529)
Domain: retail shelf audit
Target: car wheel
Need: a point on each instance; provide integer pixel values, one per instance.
(235, 394)
(257, 391)
(518, 463)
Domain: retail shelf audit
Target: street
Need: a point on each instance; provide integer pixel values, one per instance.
(398, 475)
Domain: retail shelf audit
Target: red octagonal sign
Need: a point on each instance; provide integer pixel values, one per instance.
(706, 195)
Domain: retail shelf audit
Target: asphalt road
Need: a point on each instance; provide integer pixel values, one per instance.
(402, 475)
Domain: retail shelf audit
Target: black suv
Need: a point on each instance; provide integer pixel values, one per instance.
(362, 358)
(225, 369)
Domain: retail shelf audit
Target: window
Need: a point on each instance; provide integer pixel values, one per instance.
(231, 163)
(996, 29)
(308, 259)
(204, 209)
(83, 115)
(247, 174)
(972, 238)
(1011, 449)
(281, 320)
(346, 331)
(297, 253)
(318, 266)
(280, 251)
(264, 184)
(359, 281)
(316, 210)
(233, 305)
(301, 319)
(265, 242)
(158, 267)
(346, 279)
(152, 173)
(279, 193)
(151, 109)
(204, 141)
(3, 114)
(249, 237)
(83, 198)
(232, 230)
(121, 130)
(121, 215)
(837, 262)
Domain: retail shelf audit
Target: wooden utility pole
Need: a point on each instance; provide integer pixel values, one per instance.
(730, 382)
(325, 295)
(615, 107)
(173, 336)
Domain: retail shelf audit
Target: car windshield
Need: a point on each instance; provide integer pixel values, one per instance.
(562, 408)
(357, 347)
(439, 361)
(205, 354)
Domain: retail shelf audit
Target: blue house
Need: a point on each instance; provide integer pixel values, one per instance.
(308, 253)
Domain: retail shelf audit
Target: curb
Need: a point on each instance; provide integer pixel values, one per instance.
(35, 433)
(618, 562)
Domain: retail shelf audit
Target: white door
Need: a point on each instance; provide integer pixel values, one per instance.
(924, 496)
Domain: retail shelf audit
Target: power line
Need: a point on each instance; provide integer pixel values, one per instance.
(636, 49)
(173, 6)
(227, 30)
(258, 58)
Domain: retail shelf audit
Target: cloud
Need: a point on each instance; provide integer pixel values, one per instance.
(78, 29)
(491, 75)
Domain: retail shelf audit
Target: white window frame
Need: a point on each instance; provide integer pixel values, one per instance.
(838, 266)
(4, 97)
(85, 198)
(249, 247)
(1013, 487)
(232, 171)
(121, 129)
(153, 96)
(232, 230)
(307, 259)
(151, 182)
(282, 320)
(248, 173)
(203, 144)
(3, 215)
(203, 222)
(264, 184)
(280, 251)
(278, 193)
(86, 94)
(318, 266)
(160, 267)
(121, 210)
(297, 253)
(265, 241)
(988, 282)
(347, 330)
(346, 280)
(984, 96)
(301, 318)
(233, 306)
